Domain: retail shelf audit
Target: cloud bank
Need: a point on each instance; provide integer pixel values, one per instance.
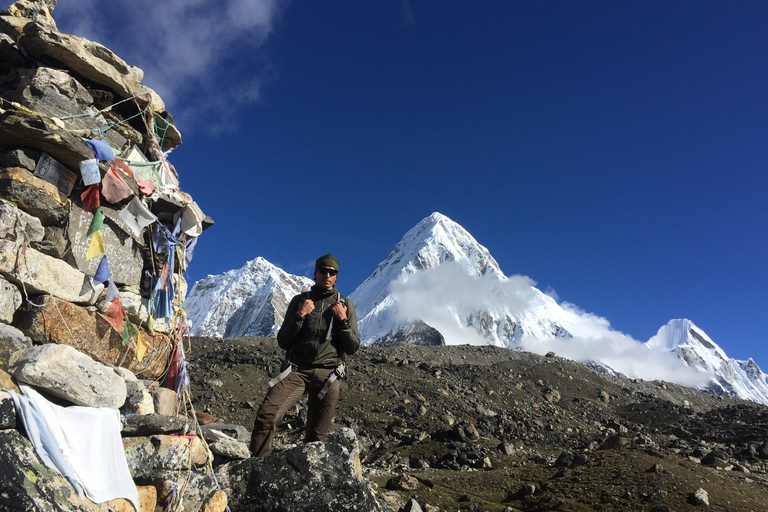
(444, 296)
(203, 57)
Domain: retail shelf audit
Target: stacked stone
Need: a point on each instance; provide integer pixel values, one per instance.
(57, 92)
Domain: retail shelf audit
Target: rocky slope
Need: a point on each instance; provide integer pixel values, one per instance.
(486, 428)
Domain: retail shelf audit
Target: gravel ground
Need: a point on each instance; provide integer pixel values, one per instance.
(484, 428)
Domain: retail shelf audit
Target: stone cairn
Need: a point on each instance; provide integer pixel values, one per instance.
(94, 236)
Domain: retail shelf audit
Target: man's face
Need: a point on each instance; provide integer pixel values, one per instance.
(325, 277)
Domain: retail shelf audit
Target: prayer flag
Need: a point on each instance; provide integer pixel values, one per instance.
(112, 292)
(102, 149)
(90, 197)
(96, 247)
(102, 272)
(113, 188)
(136, 216)
(115, 314)
(146, 187)
(141, 346)
(128, 330)
(122, 165)
(97, 223)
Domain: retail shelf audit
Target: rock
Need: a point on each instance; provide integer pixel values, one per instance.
(67, 373)
(147, 501)
(148, 456)
(699, 498)
(69, 324)
(123, 250)
(200, 494)
(403, 483)
(42, 274)
(27, 484)
(11, 340)
(7, 409)
(33, 10)
(16, 224)
(33, 195)
(230, 448)
(55, 94)
(412, 506)
(166, 401)
(21, 130)
(210, 431)
(152, 424)
(291, 476)
(24, 158)
(89, 60)
(10, 301)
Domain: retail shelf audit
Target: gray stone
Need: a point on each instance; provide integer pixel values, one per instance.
(238, 432)
(699, 498)
(147, 456)
(152, 424)
(38, 273)
(11, 340)
(165, 400)
(21, 130)
(230, 448)
(16, 224)
(124, 252)
(27, 484)
(24, 158)
(67, 373)
(33, 195)
(10, 301)
(57, 95)
(88, 59)
(7, 411)
(290, 476)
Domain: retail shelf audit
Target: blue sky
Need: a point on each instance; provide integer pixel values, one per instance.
(614, 152)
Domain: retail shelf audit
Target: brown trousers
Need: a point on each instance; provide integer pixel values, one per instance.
(283, 395)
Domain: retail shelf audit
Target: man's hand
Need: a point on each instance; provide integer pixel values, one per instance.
(306, 307)
(339, 310)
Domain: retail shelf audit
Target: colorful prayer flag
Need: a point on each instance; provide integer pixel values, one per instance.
(102, 149)
(113, 188)
(97, 223)
(102, 272)
(141, 346)
(96, 247)
(115, 314)
(128, 330)
(90, 197)
(112, 292)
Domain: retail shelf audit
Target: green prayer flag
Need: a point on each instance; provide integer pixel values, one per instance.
(97, 224)
(128, 330)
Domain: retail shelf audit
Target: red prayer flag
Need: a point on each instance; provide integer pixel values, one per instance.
(115, 314)
(90, 197)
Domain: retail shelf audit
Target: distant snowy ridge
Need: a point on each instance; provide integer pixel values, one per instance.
(250, 301)
(438, 253)
(440, 286)
(730, 377)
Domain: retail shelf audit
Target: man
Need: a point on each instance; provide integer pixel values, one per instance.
(319, 330)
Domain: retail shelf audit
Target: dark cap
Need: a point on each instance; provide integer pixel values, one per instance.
(329, 260)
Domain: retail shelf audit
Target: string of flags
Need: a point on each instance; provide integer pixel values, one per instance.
(137, 217)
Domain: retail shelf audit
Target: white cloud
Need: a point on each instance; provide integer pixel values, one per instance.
(203, 57)
(443, 296)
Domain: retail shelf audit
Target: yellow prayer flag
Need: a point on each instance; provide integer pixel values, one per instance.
(97, 245)
(141, 346)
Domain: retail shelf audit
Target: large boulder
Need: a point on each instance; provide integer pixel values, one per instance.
(27, 484)
(10, 300)
(149, 456)
(67, 373)
(88, 59)
(123, 249)
(61, 322)
(310, 477)
(11, 340)
(34, 195)
(39, 273)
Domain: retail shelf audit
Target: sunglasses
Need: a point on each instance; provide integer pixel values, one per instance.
(327, 271)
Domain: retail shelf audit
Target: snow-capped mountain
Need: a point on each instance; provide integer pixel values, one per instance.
(730, 377)
(250, 301)
(439, 285)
